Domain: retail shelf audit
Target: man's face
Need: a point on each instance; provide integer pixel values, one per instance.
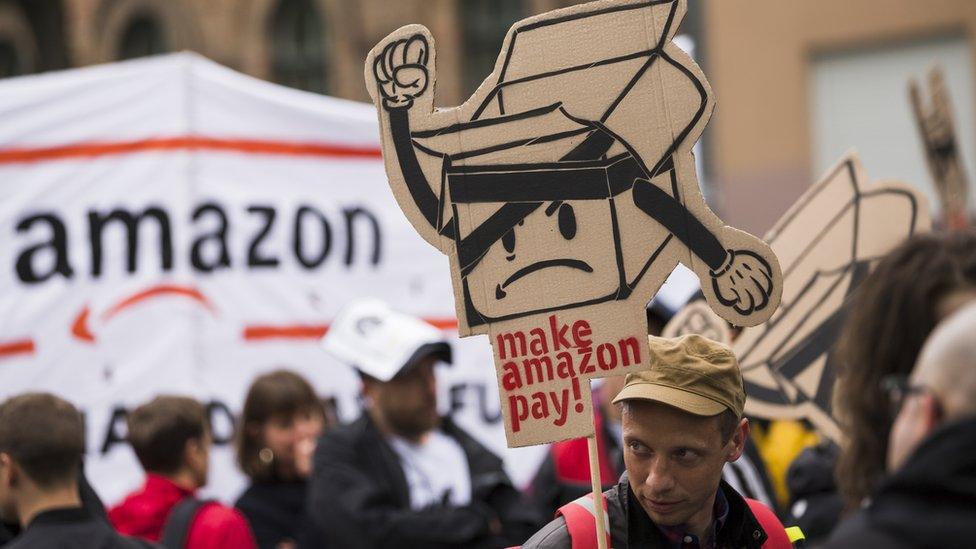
(674, 461)
(918, 416)
(408, 402)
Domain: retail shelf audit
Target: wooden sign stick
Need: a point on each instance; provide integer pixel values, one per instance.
(598, 512)
(936, 128)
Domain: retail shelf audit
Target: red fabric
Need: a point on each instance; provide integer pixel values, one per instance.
(143, 514)
(572, 457)
(581, 523)
(776, 537)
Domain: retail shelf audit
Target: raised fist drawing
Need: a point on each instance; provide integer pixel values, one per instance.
(401, 71)
(744, 282)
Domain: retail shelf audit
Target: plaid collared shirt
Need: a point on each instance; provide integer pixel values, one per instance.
(677, 538)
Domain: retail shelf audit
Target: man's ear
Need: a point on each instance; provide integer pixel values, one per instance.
(193, 450)
(737, 443)
(9, 471)
(370, 390)
(931, 410)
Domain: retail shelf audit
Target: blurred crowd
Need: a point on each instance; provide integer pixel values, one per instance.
(680, 465)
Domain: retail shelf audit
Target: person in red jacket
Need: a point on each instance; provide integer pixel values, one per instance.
(171, 439)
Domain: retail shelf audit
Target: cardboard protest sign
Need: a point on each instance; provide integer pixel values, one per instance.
(698, 318)
(564, 192)
(937, 131)
(827, 243)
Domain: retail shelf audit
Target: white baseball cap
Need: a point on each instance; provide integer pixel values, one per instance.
(380, 342)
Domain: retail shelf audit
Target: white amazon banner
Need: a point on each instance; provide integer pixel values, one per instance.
(170, 226)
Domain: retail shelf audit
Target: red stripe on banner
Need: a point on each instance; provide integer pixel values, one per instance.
(157, 291)
(316, 331)
(297, 331)
(18, 347)
(191, 142)
(443, 323)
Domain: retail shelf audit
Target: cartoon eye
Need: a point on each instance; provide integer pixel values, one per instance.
(508, 240)
(567, 221)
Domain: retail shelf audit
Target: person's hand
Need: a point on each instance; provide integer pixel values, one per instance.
(304, 451)
(744, 282)
(401, 71)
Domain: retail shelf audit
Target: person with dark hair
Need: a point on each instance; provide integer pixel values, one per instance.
(929, 499)
(911, 289)
(281, 421)
(42, 440)
(171, 438)
(402, 476)
(682, 422)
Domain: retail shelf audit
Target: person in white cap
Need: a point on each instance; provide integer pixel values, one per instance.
(402, 476)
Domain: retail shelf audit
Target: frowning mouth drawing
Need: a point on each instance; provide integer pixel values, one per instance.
(538, 266)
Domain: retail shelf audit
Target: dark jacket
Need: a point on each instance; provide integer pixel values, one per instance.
(815, 504)
(930, 502)
(75, 528)
(631, 528)
(359, 497)
(276, 511)
(89, 500)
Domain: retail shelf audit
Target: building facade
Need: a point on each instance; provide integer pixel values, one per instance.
(316, 45)
(797, 83)
(800, 83)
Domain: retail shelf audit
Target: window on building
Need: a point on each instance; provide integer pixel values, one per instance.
(859, 98)
(485, 23)
(298, 46)
(143, 36)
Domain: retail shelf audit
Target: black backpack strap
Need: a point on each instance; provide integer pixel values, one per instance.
(177, 526)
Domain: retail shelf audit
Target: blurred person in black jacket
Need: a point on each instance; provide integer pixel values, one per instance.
(401, 476)
(42, 441)
(929, 497)
(815, 506)
(281, 420)
(89, 500)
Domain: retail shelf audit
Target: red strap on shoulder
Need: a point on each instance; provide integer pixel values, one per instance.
(776, 537)
(580, 515)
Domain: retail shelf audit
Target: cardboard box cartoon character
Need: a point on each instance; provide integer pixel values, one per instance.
(564, 192)
(828, 242)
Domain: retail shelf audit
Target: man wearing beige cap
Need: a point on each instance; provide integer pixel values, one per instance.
(682, 422)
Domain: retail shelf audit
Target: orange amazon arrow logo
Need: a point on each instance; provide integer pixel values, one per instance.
(80, 327)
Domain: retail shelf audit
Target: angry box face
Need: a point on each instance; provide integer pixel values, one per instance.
(536, 264)
(541, 236)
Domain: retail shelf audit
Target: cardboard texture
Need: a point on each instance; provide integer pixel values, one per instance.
(698, 318)
(564, 192)
(827, 243)
(936, 128)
